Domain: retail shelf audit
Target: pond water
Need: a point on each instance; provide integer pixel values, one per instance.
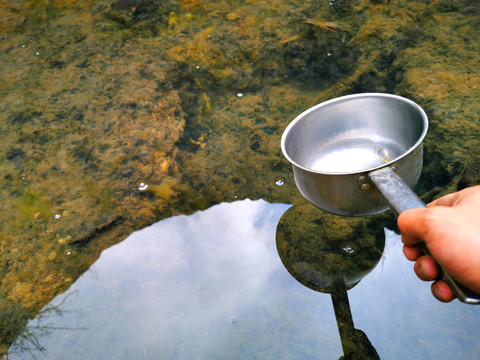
(119, 114)
(212, 286)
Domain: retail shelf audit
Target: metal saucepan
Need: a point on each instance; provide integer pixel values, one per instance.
(359, 155)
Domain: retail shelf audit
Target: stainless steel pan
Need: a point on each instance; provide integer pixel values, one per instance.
(359, 155)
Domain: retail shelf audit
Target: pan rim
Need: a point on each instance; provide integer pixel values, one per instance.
(353, 96)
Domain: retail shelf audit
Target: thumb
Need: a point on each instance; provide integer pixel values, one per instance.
(413, 224)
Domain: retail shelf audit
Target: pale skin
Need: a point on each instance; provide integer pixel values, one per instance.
(450, 227)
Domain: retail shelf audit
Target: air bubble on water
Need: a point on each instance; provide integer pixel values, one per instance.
(143, 187)
(233, 319)
(57, 216)
(239, 95)
(279, 182)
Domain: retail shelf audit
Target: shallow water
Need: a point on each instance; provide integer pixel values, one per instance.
(116, 114)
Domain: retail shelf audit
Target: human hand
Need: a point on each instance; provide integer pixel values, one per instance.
(450, 227)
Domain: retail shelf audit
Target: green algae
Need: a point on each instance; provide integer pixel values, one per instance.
(100, 96)
(33, 204)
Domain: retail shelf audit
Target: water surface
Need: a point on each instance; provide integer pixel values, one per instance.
(212, 286)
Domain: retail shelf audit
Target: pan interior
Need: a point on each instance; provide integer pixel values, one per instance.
(352, 155)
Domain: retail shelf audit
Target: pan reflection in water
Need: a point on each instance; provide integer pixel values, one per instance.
(212, 286)
(322, 261)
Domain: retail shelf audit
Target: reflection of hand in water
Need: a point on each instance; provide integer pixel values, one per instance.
(450, 228)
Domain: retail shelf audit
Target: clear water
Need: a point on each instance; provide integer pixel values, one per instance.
(352, 156)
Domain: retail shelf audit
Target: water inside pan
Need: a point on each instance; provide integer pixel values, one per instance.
(353, 156)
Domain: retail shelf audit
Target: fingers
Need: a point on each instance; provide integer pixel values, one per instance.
(426, 268)
(412, 253)
(442, 291)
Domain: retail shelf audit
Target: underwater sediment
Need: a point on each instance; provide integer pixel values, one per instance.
(191, 98)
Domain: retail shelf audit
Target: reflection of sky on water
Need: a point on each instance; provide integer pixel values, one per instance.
(211, 286)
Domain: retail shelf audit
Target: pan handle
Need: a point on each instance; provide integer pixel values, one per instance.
(400, 198)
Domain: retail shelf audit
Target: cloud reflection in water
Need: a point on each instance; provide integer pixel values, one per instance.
(205, 286)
